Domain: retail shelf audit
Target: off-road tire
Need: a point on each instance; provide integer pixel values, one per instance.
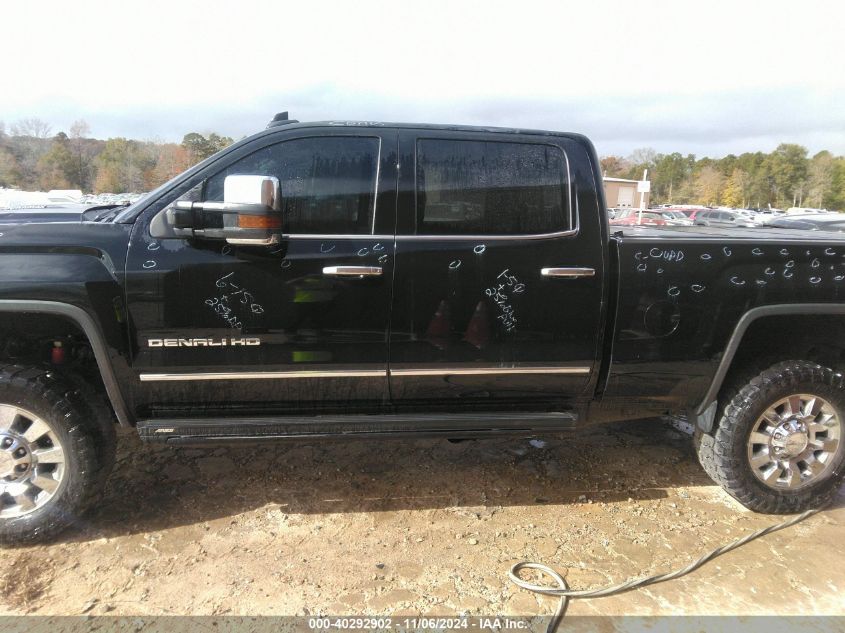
(88, 446)
(723, 453)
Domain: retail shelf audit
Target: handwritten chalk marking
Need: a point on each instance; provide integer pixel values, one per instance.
(642, 268)
(784, 252)
(479, 249)
(706, 256)
(287, 263)
(363, 251)
(455, 264)
(153, 246)
(327, 249)
(674, 291)
(736, 281)
(697, 288)
(815, 263)
(727, 251)
(815, 280)
(769, 271)
(149, 264)
(378, 248)
(757, 251)
(829, 252)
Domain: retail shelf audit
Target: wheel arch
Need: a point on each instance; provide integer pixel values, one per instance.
(740, 345)
(89, 327)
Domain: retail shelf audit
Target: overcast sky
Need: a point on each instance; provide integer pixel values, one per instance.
(708, 77)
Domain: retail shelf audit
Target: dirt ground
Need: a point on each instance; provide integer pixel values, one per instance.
(421, 527)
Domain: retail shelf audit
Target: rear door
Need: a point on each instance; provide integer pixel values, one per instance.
(499, 271)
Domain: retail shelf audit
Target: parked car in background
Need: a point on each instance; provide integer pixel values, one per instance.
(765, 216)
(804, 210)
(53, 212)
(633, 217)
(690, 212)
(716, 217)
(674, 218)
(811, 222)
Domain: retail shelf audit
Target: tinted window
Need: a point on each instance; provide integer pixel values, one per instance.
(493, 188)
(328, 183)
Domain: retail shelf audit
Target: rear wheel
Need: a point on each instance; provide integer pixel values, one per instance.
(52, 454)
(779, 445)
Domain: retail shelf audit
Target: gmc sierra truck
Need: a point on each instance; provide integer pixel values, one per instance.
(376, 280)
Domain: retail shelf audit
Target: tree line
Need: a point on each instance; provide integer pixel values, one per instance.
(33, 158)
(786, 177)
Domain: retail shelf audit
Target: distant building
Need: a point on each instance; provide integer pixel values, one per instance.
(621, 192)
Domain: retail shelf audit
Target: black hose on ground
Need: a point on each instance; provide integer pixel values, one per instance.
(565, 594)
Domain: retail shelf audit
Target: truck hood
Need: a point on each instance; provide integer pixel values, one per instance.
(106, 241)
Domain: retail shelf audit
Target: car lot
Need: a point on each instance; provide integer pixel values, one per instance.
(421, 527)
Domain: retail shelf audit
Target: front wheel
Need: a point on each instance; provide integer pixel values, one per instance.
(779, 444)
(53, 454)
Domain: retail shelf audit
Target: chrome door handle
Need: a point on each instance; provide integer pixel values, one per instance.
(352, 271)
(568, 273)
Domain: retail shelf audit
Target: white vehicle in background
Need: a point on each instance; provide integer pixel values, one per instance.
(804, 210)
(674, 218)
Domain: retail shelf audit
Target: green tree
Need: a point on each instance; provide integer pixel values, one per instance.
(9, 169)
(820, 179)
(668, 173)
(55, 168)
(787, 171)
(200, 147)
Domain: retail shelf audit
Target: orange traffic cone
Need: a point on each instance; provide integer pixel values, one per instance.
(478, 329)
(440, 326)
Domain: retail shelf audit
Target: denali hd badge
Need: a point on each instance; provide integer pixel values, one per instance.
(203, 342)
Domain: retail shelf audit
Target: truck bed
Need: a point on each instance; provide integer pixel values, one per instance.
(681, 292)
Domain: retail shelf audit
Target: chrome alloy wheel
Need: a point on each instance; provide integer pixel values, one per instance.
(796, 442)
(32, 462)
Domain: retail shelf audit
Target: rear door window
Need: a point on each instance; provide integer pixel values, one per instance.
(471, 187)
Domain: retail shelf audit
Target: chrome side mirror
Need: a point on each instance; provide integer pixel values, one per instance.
(250, 214)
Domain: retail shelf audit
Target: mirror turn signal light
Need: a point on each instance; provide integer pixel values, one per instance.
(259, 221)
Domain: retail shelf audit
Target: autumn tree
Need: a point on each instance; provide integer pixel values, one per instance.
(121, 166)
(171, 161)
(83, 152)
(708, 185)
(55, 168)
(9, 169)
(820, 179)
(33, 127)
(614, 166)
(737, 189)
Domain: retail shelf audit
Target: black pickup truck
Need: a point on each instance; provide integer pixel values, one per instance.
(365, 279)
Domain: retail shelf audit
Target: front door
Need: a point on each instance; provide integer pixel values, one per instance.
(498, 290)
(298, 326)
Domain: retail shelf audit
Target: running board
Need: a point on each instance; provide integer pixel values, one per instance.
(206, 430)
